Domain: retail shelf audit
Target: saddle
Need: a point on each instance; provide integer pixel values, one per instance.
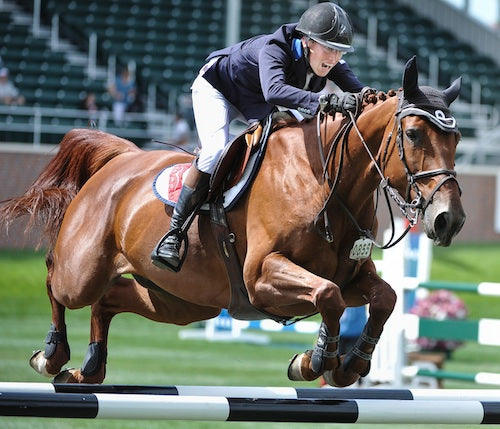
(233, 173)
(229, 170)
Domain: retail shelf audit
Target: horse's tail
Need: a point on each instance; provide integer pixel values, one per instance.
(82, 152)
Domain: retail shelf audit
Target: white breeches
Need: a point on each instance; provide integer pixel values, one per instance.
(213, 114)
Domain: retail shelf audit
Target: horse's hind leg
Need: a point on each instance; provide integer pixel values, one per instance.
(50, 361)
(93, 369)
(126, 295)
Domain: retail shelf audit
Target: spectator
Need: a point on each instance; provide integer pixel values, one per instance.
(123, 92)
(181, 131)
(9, 94)
(89, 104)
(352, 322)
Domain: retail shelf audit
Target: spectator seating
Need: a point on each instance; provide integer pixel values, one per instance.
(169, 40)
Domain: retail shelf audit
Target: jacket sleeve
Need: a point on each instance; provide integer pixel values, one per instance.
(344, 78)
(278, 74)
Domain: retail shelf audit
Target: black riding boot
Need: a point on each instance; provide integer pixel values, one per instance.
(167, 254)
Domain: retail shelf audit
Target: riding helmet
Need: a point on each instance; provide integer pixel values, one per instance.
(329, 25)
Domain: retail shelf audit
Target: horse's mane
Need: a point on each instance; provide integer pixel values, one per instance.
(375, 97)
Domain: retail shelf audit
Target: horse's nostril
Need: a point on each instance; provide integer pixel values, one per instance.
(441, 222)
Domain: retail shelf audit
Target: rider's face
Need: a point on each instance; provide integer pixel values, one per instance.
(321, 58)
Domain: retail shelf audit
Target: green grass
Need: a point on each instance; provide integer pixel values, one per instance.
(143, 352)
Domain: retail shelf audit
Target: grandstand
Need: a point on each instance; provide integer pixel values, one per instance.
(58, 51)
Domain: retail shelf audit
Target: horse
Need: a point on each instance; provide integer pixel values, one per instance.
(303, 230)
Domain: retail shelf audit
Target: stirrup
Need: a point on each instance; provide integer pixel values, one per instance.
(162, 263)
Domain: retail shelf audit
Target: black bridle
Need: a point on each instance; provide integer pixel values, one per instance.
(446, 125)
(409, 209)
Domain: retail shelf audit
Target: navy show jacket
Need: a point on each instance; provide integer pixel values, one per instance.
(270, 70)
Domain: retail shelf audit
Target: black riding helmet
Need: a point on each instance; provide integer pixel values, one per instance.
(329, 25)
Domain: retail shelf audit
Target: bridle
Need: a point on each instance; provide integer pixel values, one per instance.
(446, 125)
(410, 210)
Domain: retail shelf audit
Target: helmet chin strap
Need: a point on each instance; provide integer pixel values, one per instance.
(306, 50)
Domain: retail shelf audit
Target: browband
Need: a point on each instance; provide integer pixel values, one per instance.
(445, 123)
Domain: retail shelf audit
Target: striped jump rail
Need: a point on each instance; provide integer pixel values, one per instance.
(257, 392)
(219, 408)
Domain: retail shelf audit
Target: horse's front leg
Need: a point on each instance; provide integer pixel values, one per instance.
(286, 288)
(382, 299)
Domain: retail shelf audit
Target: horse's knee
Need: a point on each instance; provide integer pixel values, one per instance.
(328, 300)
(383, 302)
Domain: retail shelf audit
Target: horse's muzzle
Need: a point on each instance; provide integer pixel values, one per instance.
(443, 218)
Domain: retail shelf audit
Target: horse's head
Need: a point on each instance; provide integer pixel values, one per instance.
(427, 136)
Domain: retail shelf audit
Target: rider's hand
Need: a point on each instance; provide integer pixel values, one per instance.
(343, 103)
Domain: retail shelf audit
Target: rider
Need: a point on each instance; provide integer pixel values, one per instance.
(247, 81)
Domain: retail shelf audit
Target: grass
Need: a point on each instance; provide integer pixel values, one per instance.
(143, 352)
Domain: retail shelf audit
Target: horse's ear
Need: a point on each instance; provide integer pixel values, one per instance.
(452, 92)
(410, 78)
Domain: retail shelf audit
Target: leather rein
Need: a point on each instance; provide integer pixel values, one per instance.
(410, 210)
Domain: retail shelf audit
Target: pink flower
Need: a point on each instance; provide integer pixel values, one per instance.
(440, 305)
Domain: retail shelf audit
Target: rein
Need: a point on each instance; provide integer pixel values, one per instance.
(410, 210)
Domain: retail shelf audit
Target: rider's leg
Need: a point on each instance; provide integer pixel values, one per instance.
(213, 114)
(194, 191)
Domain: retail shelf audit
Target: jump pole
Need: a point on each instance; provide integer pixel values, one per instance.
(257, 392)
(219, 408)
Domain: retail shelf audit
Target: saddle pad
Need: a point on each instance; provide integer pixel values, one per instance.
(168, 183)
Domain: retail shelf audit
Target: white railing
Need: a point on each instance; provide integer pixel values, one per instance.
(39, 121)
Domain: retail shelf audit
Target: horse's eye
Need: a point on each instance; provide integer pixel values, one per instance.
(412, 134)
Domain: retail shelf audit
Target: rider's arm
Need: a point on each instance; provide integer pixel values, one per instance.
(278, 72)
(344, 78)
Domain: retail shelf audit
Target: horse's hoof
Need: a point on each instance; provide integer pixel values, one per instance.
(300, 368)
(39, 363)
(294, 369)
(339, 378)
(66, 376)
(328, 377)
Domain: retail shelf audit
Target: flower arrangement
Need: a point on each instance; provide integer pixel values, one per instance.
(440, 305)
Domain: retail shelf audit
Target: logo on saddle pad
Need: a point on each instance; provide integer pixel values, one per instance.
(167, 185)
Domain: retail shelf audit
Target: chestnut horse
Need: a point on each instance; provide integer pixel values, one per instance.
(303, 229)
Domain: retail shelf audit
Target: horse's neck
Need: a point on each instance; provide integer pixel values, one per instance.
(376, 122)
(374, 125)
